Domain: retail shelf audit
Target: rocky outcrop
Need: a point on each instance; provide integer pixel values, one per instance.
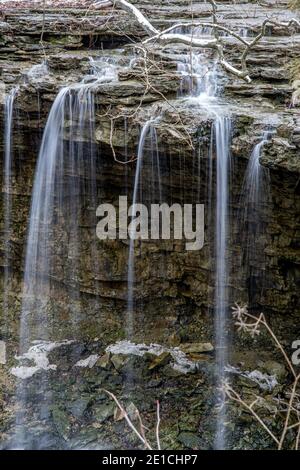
(79, 414)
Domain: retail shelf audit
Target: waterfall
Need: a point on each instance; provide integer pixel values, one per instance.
(8, 136)
(37, 261)
(218, 181)
(255, 198)
(222, 133)
(64, 190)
(36, 71)
(220, 147)
(66, 157)
(145, 131)
(199, 77)
(202, 81)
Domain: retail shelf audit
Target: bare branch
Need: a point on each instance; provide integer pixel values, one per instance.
(131, 9)
(288, 414)
(140, 434)
(166, 37)
(234, 396)
(158, 424)
(128, 420)
(197, 25)
(188, 40)
(290, 408)
(262, 33)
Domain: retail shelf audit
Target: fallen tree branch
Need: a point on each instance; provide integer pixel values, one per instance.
(167, 37)
(197, 25)
(262, 33)
(142, 20)
(187, 40)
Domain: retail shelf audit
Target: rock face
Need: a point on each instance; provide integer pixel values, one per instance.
(174, 288)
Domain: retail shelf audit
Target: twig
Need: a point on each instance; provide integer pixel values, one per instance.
(128, 420)
(253, 327)
(158, 424)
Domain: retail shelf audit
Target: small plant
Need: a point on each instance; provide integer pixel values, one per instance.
(140, 433)
(287, 406)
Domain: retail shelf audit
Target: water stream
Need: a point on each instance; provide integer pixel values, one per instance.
(64, 186)
(222, 133)
(254, 202)
(8, 161)
(153, 190)
(203, 81)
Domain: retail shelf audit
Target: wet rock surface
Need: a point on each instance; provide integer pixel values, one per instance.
(68, 407)
(78, 413)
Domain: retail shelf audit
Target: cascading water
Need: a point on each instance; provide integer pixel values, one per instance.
(8, 136)
(148, 130)
(199, 77)
(222, 132)
(255, 187)
(255, 199)
(64, 185)
(202, 81)
(34, 72)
